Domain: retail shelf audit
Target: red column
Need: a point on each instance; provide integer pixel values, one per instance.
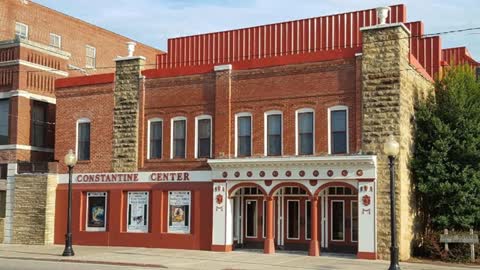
(314, 250)
(269, 246)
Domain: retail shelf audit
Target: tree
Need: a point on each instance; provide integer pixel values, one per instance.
(446, 162)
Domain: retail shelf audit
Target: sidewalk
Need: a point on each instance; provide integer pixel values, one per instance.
(194, 259)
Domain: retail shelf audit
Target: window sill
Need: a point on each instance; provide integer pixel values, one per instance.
(84, 161)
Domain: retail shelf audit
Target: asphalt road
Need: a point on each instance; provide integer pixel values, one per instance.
(12, 264)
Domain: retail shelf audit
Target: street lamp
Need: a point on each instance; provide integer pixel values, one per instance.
(70, 161)
(391, 149)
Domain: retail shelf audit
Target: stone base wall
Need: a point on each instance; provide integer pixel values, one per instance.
(2, 222)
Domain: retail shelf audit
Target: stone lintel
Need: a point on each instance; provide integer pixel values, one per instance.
(384, 26)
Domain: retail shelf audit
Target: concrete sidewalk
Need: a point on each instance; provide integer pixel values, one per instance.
(194, 259)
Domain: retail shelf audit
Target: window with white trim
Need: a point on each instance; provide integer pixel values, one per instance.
(91, 56)
(4, 115)
(55, 40)
(179, 134)
(244, 135)
(83, 139)
(203, 136)
(338, 128)
(273, 133)
(305, 132)
(39, 125)
(21, 30)
(155, 138)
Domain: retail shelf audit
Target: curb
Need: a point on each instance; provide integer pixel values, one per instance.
(87, 262)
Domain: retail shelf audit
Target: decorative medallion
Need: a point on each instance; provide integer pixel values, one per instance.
(316, 173)
(219, 199)
(313, 182)
(301, 173)
(268, 183)
(344, 173)
(366, 200)
(224, 174)
(288, 173)
(275, 173)
(262, 173)
(249, 174)
(330, 173)
(237, 174)
(359, 173)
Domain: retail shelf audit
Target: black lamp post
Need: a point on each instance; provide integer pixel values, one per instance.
(391, 149)
(70, 161)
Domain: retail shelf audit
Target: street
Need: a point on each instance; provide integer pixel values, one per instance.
(13, 264)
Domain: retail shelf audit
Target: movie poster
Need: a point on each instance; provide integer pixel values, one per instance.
(179, 212)
(137, 215)
(96, 211)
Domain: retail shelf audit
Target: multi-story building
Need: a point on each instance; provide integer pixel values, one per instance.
(269, 136)
(37, 46)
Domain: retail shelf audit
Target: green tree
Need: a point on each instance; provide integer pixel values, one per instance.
(446, 163)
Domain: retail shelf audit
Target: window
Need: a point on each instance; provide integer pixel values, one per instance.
(179, 132)
(3, 171)
(338, 221)
(96, 211)
(55, 40)
(39, 124)
(251, 219)
(203, 134)
(155, 134)
(354, 216)
(83, 139)
(308, 218)
(21, 30)
(273, 134)
(137, 212)
(4, 115)
(293, 221)
(91, 54)
(179, 211)
(244, 135)
(338, 130)
(305, 137)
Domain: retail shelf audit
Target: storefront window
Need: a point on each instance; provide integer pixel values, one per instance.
(338, 218)
(137, 215)
(179, 211)
(96, 211)
(293, 215)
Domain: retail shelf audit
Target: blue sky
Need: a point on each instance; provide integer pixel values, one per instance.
(154, 21)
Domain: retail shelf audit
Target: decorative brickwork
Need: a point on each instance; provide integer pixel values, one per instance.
(391, 86)
(128, 82)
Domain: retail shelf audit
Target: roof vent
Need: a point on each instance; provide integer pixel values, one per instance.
(382, 14)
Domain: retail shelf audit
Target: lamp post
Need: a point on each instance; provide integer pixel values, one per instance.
(70, 161)
(391, 149)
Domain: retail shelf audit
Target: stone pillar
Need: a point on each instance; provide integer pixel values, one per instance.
(314, 250)
(8, 223)
(128, 83)
(269, 245)
(223, 112)
(390, 87)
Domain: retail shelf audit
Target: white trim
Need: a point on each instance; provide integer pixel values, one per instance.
(222, 67)
(297, 112)
(308, 221)
(382, 26)
(147, 214)
(198, 118)
(126, 58)
(26, 94)
(79, 121)
(329, 124)
(150, 121)
(255, 227)
(331, 220)
(59, 40)
(35, 46)
(33, 65)
(351, 220)
(26, 29)
(97, 229)
(288, 220)
(265, 131)
(241, 114)
(25, 147)
(177, 118)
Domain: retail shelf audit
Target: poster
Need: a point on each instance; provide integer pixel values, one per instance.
(179, 211)
(137, 215)
(96, 211)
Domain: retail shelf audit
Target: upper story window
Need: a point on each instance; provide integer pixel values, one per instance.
(179, 135)
(243, 135)
(39, 123)
(203, 136)
(155, 138)
(55, 40)
(83, 139)
(305, 132)
(338, 130)
(4, 115)
(273, 133)
(91, 55)
(21, 30)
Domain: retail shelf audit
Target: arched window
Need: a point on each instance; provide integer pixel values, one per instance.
(155, 138)
(338, 130)
(179, 137)
(243, 134)
(273, 133)
(203, 136)
(305, 131)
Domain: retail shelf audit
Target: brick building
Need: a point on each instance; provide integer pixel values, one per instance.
(266, 137)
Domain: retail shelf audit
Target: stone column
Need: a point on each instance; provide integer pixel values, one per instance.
(128, 83)
(314, 250)
(8, 225)
(269, 245)
(223, 112)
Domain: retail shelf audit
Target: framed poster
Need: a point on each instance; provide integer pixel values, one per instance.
(96, 211)
(179, 211)
(137, 211)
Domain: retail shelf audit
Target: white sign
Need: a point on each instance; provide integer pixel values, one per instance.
(137, 177)
(179, 211)
(137, 212)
